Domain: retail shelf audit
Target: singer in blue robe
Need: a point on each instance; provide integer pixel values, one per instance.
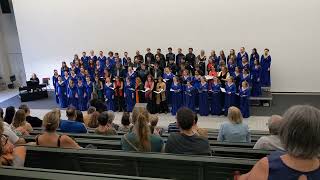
(89, 89)
(244, 94)
(241, 56)
(129, 93)
(253, 57)
(82, 97)
(54, 83)
(109, 96)
(196, 85)
(256, 81)
(245, 77)
(102, 61)
(176, 97)
(132, 76)
(112, 61)
(167, 77)
(265, 70)
(74, 78)
(216, 108)
(190, 98)
(85, 60)
(230, 97)
(203, 100)
(73, 96)
(62, 94)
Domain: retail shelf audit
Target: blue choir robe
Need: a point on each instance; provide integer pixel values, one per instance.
(124, 62)
(100, 71)
(129, 94)
(216, 107)
(245, 78)
(256, 81)
(94, 58)
(102, 61)
(89, 89)
(72, 96)
(75, 69)
(252, 58)
(168, 80)
(85, 60)
(82, 98)
(244, 102)
(196, 84)
(240, 56)
(265, 71)
(62, 94)
(203, 100)
(112, 61)
(91, 71)
(236, 79)
(231, 67)
(109, 67)
(82, 77)
(109, 96)
(176, 97)
(230, 97)
(132, 78)
(74, 79)
(244, 66)
(62, 70)
(66, 80)
(190, 98)
(54, 83)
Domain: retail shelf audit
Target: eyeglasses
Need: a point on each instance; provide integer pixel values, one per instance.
(4, 139)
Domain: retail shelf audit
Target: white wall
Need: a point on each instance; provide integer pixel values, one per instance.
(53, 30)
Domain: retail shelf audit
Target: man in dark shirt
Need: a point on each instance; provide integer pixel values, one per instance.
(34, 121)
(170, 55)
(179, 57)
(162, 58)
(187, 141)
(191, 59)
(138, 59)
(149, 56)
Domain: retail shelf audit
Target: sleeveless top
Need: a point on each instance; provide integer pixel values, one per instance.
(58, 143)
(279, 170)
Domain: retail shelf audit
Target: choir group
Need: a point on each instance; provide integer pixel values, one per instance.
(206, 85)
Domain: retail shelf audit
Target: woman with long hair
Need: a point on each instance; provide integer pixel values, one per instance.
(10, 111)
(19, 123)
(141, 139)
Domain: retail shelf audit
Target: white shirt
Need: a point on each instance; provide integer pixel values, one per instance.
(13, 138)
(271, 142)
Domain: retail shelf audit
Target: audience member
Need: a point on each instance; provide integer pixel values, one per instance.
(140, 138)
(86, 117)
(10, 111)
(234, 130)
(199, 131)
(79, 117)
(13, 138)
(271, 142)
(153, 125)
(111, 117)
(105, 125)
(125, 122)
(19, 124)
(97, 103)
(34, 121)
(186, 141)
(299, 134)
(173, 127)
(10, 155)
(93, 120)
(71, 125)
(50, 138)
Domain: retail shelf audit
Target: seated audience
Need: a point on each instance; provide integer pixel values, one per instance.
(299, 134)
(105, 125)
(10, 111)
(10, 155)
(50, 138)
(79, 117)
(140, 138)
(111, 117)
(199, 131)
(19, 124)
(271, 142)
(153, 125)
(234, 130)
(173, 127)
(71, 125)
(125, 122)
(186, 141)
(86, 117)
(12, 136)
(97, 103)
(34, 121)
(93, 120)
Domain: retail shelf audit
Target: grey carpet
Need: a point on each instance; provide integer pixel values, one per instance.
(280, 103)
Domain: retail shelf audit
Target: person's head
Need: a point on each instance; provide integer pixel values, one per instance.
(216, 80)
(138, 80)
(154, 120)
(103, 119)
(170, 49)
(254, 51)
(245, 84)
(10, 111)
(108, 80)
(25, 108)
(274, 124)
(34, 76)
(232, 52)
(88, 79)
(234, 115)
(140, 118)
(80, 83)
(92, 52)
(179, 50)
(266, 51)
(149, 78)
(79, 117)
(110, 53)
(51, 121)
(299, 132)
(91, 110)
(230, 79)
(71, 113)
(213, 53)
(167, 70)
(242, 49)
(175, 79)
(130, 69)
(196, 73)
(245, 71)
(222, 53)
(55, 72)
(84, 53)
(185, 118)
(190, 50)
(237, 69)
(224, 69)
(19, 118)
(66, 74)
(157, 58)
(93, 120)
(213, 69)
(111, 116)
(64, 64)
(189, 83)
(1, 113)
(158, 51)
(101, 53)
(203, 79)
(125, 54)
(137, 52)
(202, 53)
(125, 120)
(256, 62)
(148, 50)
(71, 83)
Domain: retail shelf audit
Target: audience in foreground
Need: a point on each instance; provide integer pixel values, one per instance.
(299, 134)
(34, 121)
(12, 136)
(105, 125)
(50, 137)
(271, 142)
(19, 124)
(93, 120)
(153, 125)
(186, 141)
(140, 138)
(199, 131)
(125, 122)
(234, 130)
(71, 125)
(86, 117)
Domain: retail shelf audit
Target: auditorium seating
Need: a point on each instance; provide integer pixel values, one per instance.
(37, 173)
(178, 167)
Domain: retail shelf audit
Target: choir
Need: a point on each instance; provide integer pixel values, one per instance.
(207, 86)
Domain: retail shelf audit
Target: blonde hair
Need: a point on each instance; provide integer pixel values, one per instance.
(140, 117)
(51, 120)
(19, 118)
(234, 115)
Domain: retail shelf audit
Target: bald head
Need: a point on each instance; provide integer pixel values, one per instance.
(274, 124)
